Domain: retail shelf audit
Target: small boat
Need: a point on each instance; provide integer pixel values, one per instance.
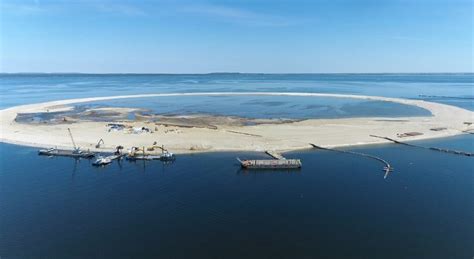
(101, 161)
(62, 152)
(167, 156)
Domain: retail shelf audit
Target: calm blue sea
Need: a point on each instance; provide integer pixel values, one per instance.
(455, 89)
(204, 206)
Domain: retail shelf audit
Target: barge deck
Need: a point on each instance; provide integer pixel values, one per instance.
(281, 163)
(69, 153)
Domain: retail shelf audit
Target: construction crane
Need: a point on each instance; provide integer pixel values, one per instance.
(72, 139)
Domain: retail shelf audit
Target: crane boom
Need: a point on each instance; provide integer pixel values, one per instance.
(72, 139)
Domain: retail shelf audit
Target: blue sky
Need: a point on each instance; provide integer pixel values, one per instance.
(270, 36)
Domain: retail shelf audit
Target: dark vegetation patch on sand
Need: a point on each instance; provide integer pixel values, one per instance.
(104, 114)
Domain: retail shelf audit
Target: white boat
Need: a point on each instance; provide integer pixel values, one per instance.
(167, 156)
(101, 161)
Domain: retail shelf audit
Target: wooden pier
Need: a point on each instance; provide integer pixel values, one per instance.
(387, 167)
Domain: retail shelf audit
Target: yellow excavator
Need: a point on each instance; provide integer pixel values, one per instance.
(155, 146)
(152, 152)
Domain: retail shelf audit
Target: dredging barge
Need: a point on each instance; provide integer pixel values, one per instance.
(77, 153)
(271, 164)
(278, 162)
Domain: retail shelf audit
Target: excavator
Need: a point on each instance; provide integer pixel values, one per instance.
(150, 153)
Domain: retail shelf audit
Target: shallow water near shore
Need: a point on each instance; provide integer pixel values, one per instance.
(204, 205)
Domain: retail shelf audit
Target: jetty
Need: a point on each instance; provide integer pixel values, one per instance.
(278, 162)
(275, 155)
(445, 150)
(387, 167)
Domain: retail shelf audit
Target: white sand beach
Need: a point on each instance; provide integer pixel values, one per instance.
(279, 137)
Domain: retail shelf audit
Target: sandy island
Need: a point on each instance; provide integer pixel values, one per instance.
(228, 135)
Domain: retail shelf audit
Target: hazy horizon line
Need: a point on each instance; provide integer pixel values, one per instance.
(231, 73)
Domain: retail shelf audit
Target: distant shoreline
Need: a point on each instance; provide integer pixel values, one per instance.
(239, 73)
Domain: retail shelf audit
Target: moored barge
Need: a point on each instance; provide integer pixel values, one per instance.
(271, 164)
(70, 153)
